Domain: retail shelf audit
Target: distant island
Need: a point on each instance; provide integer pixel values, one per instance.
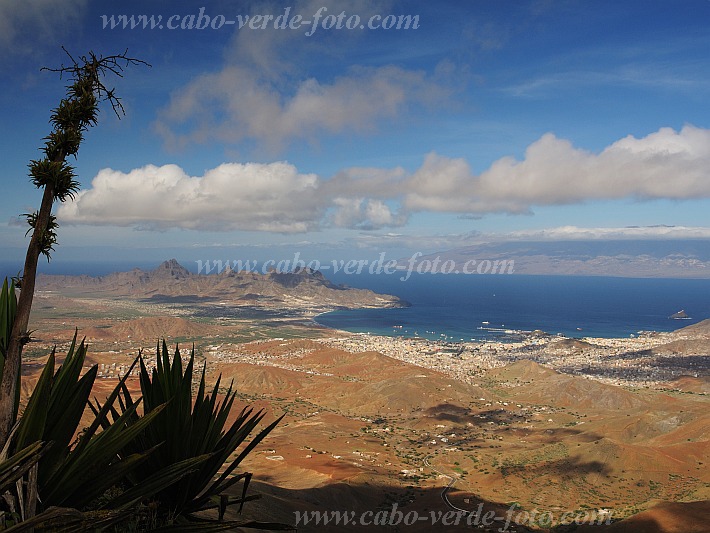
(305, 290)
(618, 258)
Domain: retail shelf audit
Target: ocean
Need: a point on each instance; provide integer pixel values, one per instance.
(478, 307)
(489, 307)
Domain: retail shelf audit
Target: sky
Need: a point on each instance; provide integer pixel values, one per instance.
(481, 121)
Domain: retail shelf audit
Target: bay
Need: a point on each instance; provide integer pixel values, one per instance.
(479, 307)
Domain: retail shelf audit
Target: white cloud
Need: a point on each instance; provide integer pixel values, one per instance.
(271, 197)
(26, 24)
(270, 90)
(276, 197)
(664, 164)
(383, 183)
(263, 197)
(365, 214)
(234, 105)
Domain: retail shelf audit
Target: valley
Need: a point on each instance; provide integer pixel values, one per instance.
(538, 432)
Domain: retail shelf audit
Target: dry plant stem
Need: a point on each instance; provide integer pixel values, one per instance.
(19, 336)
(90, 68)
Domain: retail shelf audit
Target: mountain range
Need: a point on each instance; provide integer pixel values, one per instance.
(625, 258)
(304, 289)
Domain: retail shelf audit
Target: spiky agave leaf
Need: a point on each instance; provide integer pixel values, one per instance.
(32, 424)
(56, 406)
(8, 312)
(193, 428)
(76, 475)
(67, 485)
(18, 464)
(69, 520)
(223, 526)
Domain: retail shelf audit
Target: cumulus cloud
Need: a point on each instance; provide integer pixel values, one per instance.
(263, 197)
(233, 105)
(276, 197)
(269, 90)
(365, 214)
(367, 182)
(664, 164)
(272, 197)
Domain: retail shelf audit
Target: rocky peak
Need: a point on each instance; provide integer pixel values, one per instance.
(293, 279)
(173, 269)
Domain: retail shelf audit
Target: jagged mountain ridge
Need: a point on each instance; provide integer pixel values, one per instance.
(171, 279)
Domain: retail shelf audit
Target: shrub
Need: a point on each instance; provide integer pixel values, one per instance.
(186, 429)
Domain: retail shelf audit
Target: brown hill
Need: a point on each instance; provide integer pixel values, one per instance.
(523, 370)
(364, 430)
(698, 346)
(263, 379)
(700, 385)
(544, 385)
(360, 384)
(151, 329)
(666, 517)
(701, 328)
(302, 289)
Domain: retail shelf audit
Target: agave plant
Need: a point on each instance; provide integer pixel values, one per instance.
(190, 427)
(8, 311)
(72, 474)
(84, 473)
(74, 116)
(13, 470)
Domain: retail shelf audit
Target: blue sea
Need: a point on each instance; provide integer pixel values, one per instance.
(478, 307)
(464, 307)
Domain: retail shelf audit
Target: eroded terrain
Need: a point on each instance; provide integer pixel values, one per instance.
(604, 426)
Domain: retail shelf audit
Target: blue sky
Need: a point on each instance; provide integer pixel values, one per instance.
(490, 121)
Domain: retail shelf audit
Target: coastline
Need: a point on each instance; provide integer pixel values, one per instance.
(639, 360)
(451, 324)
(643, 361)
(484, 332)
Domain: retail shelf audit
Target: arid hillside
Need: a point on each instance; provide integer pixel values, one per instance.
(609, 428)
(172, 283)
